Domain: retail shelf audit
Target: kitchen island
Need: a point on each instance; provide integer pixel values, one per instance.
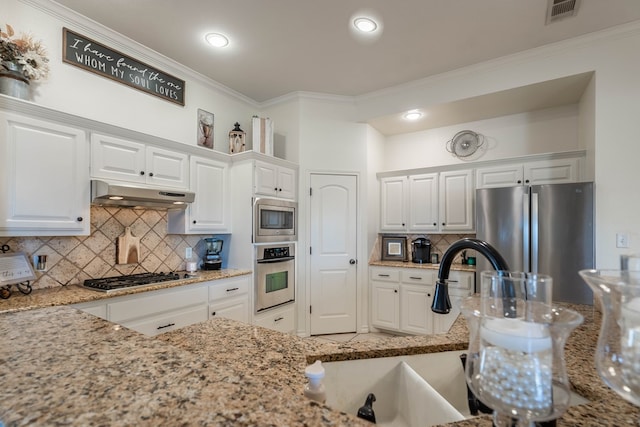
(63, 366)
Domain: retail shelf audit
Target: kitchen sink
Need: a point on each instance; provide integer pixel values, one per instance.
(417, 390)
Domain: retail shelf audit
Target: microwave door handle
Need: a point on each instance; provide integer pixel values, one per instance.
(275, 260)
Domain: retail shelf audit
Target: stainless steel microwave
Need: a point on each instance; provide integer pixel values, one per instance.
(274, 220)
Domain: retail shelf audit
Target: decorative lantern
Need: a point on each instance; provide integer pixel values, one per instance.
(236, 139)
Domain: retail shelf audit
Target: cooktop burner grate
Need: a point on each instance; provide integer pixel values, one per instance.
(109, 284)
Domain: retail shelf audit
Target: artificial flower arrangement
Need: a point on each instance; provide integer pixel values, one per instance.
(23, 54)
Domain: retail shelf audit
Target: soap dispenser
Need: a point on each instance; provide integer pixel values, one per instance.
(314, 389)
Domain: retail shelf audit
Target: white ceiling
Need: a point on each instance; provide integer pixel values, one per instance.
(283, 46)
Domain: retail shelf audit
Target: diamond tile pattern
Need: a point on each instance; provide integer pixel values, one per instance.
(71, 260)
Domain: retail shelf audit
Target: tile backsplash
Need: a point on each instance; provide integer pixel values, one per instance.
(439, 244)
(71, 260)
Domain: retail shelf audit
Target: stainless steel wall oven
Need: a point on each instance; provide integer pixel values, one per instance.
(274, 276)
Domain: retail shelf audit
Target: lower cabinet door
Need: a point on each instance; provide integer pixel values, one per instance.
(385, 312)
(415, 309)
(233, 308)
(279, 319)
(169, 321)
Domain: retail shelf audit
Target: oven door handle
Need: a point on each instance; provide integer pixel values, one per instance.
(274, 260)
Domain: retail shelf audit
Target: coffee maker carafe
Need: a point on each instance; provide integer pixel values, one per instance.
(421, 251)
(212, 259)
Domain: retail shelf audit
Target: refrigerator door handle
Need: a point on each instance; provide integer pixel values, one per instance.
(526, 229)
(534, 232)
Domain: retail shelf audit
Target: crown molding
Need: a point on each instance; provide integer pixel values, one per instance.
(130, 47)
(299, 95)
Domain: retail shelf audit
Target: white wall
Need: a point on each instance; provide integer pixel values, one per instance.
(535, 132)
(82, 93)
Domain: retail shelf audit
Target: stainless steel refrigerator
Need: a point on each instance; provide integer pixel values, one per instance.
(544, 229)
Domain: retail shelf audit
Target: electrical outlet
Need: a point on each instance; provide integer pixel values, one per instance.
(188, 253)
(622, 240)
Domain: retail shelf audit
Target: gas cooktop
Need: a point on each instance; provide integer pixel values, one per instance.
(111, 284)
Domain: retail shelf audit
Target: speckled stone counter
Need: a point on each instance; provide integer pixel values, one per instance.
(409, 264)
(60, 366)
(74, 294)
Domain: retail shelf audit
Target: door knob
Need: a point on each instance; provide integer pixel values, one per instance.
(352, 261)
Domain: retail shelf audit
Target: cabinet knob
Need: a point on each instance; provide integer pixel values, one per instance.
(526, 181)
(443, 223)
(79, 219)
(275, 189)
(403, 224)
(213, 313)
(519, 181)
(395, 291)
(279, 189)
(352, 261)
(194, 221)
(141, 172)
(151, 174)
(434, 224)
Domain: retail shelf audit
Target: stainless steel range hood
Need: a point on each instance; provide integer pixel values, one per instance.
(105, 193)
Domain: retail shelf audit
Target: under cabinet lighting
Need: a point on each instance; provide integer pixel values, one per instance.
(116, 197)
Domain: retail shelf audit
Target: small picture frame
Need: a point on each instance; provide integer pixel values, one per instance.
(394, 248)
(205, 129)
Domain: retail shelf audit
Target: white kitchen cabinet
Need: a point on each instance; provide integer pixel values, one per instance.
(281, 319)
(274, 180)
(401, 299)
(229, 298)
(134, 162)
(210, 211)
(553, 171)
(44, 175)
(427, 203)
(159, 311)
(461, 285)
(456, 200)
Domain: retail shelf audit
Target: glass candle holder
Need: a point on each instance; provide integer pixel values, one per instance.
(515, 363)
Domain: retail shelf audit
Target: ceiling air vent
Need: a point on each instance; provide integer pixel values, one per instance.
(560, 9)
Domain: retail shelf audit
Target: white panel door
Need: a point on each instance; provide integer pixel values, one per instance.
(333, 253)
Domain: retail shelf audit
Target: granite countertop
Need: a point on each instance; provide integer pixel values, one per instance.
(62, 366)
(428, 266)
(74, 294)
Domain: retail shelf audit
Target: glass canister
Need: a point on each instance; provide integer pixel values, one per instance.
(515, 362)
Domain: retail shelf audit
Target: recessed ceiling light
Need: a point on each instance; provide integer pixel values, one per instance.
(217, 39)
(412, 115)
(366, 25)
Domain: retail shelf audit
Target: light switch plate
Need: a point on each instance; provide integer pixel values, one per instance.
(622, 240)
(188, 253)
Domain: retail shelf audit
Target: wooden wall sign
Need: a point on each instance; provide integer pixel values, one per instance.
(92, 56)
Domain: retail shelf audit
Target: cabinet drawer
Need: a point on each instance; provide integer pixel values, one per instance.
(461, 280)
(158, 302)
(229, 288)
(234, 309)
(281, 320)
(169, 321)
(418, 276)
(385, 274)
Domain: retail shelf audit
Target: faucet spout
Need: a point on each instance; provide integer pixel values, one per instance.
(441, 303)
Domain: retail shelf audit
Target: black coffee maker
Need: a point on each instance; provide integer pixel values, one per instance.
(212, 259)
(421, 251)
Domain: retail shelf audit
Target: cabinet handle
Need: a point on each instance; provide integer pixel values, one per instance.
(167, 326)
(277, 319)
(415, 278)
(151, 174)
(232, 289)
(383, 275)
(79, 219)
(141, 172)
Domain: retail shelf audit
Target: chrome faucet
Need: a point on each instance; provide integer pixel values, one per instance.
(441, 303)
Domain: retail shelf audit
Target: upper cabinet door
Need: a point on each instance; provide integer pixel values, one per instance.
(45, 178)
(456, 201)
(167, 168)
(287, 183)
(393, 203)
(499, 176)
(275, 181)
(423, 203)
(114, 158)
(134, 162)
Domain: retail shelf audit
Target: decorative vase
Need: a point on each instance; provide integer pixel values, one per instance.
(13, 82)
